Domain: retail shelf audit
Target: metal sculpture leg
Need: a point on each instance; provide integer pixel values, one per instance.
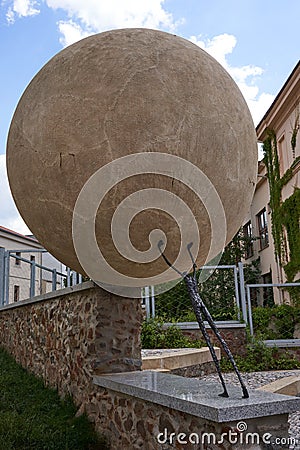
(197, 310)
(226, 349)
(198, 304)
(201, 310)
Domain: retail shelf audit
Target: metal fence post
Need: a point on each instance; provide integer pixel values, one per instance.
(147, 302)
(152, 302)
(68, 277)
(243, 292)
(249, 310)
(2, 276)
(74, 278)
(32, 279)
(6, 280)
(237, 294)
(54, 280)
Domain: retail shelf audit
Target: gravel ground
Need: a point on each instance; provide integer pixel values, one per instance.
(255, 380)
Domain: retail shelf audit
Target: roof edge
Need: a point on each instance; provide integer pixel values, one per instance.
(20, 235)
(297, 66)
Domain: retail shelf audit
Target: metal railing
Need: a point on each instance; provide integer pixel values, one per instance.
(32, 276)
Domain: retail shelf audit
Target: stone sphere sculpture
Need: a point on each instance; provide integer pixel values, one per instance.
(126, 138)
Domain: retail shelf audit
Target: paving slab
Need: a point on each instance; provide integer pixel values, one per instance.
(171, 359)
(288, 386)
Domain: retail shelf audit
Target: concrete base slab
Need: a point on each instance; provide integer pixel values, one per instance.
(171, 359)
(286, 386)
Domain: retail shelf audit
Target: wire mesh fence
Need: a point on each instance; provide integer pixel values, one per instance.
(274, 312)
(271, 311)
(220, 292)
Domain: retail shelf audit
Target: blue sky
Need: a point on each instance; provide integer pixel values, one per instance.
(256, 41)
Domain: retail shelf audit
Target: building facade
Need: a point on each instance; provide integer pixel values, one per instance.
(273, 219)
(16, 275)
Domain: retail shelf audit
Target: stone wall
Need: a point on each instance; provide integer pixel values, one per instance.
(291, 352)
(130, 423)
(67, 336)
(235, 337)
(197, 370)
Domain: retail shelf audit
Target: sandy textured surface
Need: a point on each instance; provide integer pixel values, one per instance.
(118, 93)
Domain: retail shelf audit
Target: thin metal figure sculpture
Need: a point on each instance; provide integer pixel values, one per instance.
(200, 311)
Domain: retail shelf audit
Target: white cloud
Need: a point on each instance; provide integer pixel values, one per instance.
(21, 8)
(70, 32)
(245, 76)
(10, 16)
(86, 17)
(9, 216)
(93, 16)
(218, 47)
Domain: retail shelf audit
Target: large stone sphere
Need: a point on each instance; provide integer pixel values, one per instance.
(118, 94)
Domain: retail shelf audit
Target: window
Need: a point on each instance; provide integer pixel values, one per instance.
(16, 293)
(263, 229)
(248, 240)
(18, 261)
(32, 258)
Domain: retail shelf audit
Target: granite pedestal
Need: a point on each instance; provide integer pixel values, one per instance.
(194, 409)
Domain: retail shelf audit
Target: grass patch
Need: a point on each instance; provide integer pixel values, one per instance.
(33, 416)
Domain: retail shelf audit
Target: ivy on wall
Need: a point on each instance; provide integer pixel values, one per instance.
(290, 210)
(285, 215)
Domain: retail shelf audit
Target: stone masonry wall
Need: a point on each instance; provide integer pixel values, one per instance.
(198, 370)
(130, 423)
(67, 337)
(235, 337)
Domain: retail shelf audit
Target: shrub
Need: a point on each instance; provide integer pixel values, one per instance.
(154, 335)
(277, 322)
(260, 357)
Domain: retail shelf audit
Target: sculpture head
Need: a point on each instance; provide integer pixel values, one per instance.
(125, 138)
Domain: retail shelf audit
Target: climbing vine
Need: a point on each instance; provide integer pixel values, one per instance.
(290, 210)
(285, 215)
(273, 171)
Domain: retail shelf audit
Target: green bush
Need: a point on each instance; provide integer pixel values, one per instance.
(286, 317)
(295, 294)
(261, 317)
(260, 357)
(154, 335)
(277, 322)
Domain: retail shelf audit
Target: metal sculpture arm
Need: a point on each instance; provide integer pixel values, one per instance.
(201, 310)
